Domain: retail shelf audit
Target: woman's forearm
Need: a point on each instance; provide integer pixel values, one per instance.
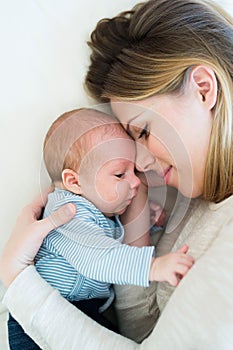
(57, 325)
(52, 321)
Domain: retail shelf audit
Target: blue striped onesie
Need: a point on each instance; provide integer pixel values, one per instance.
(83, 257)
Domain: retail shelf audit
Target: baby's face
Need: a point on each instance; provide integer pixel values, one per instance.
(107, 177)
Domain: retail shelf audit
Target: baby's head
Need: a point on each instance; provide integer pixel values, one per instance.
(89, 153)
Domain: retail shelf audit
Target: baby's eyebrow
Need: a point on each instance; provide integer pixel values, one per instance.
(120, 164)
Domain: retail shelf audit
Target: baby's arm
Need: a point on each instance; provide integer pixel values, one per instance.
(136, 220)
(171, 267)
(86, 246)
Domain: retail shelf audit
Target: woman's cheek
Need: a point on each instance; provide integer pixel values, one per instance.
(158, 150)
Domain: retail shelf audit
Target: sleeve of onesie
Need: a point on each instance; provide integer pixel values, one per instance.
(97, 256)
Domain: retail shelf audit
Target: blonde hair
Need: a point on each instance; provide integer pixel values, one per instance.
(72, 135)
(150, 50)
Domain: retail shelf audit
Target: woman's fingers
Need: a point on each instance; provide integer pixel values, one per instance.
(27, 237)
(157, 214)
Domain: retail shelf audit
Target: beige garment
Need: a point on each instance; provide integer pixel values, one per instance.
(202, 226)
(137, 313)
(204, 296)
(136, 307)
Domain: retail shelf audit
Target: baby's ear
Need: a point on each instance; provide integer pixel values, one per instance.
(71, 181)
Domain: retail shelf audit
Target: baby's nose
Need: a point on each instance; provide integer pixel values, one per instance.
(135, 182)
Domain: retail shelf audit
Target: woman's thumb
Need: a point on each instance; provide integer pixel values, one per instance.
(56, 219)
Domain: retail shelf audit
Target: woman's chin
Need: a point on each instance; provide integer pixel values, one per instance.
(153, 179)
(190, 192)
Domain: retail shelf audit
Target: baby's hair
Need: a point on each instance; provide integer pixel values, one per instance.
(72, 135)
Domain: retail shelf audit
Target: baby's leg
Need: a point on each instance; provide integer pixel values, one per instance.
(18, 339)
(91, 308)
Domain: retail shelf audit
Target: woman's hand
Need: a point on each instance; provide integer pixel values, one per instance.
(27, 237)
(157, 214)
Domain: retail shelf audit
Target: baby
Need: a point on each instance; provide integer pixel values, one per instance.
(91, 160)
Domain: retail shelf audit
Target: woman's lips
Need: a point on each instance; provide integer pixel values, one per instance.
(165, 174)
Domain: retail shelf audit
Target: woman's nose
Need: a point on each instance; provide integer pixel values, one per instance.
(144, 159)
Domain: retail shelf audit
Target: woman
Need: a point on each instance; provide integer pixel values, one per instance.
(166, 67)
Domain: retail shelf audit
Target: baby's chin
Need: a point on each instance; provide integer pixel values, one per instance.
(120, 212)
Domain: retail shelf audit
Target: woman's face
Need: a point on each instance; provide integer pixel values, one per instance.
(172, 135)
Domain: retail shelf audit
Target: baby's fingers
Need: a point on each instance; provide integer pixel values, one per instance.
(183, 249)
(173, 280)
(186, 260)
(182, 269)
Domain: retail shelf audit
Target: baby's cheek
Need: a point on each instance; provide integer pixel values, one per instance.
(122, 189)
(106, 192)
(117, 192)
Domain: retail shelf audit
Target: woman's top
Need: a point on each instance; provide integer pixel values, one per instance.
(203, 223)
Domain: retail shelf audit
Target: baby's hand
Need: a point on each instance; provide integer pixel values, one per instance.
(157, 214)
(171, 267)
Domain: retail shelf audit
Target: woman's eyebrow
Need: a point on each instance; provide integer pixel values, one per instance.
(134, 117)
(128, 128)
(130, 121)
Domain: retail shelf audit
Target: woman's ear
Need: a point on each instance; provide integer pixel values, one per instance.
(70, 181)
(206, 84)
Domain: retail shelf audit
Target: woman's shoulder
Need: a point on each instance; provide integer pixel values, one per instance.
(224, 205)
(210, 208)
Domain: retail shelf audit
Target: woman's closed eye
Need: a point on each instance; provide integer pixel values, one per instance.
(144, 132)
